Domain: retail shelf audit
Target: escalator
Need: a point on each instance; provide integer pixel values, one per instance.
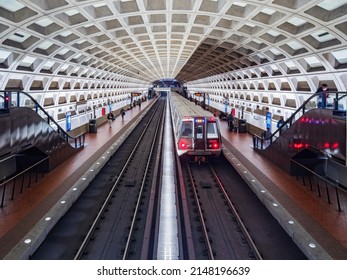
(315, 138)
(29, 135)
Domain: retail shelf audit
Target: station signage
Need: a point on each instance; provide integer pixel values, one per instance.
(268, 120)
(68, 121)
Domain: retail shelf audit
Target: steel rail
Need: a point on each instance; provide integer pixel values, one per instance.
(203, 224)
(109, 196)
(152, 211)
(239, 220)
(138, 203)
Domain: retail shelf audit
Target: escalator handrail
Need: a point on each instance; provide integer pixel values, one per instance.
(343, 96)
(60, 130)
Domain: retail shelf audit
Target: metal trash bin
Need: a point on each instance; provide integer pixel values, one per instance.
(92, 126)
(242, 126)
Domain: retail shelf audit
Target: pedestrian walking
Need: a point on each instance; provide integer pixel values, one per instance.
(109, 118)
(122, 113)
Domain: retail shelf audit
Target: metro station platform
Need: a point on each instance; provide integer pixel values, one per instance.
(321, 223)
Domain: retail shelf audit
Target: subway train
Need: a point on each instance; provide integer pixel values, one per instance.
(196, 131)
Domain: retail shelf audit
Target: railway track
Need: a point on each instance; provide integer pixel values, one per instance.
(227, 219)
(125, 209)
(222, 232)
(108, 220)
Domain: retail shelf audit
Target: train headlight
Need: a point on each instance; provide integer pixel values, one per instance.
(199, 121)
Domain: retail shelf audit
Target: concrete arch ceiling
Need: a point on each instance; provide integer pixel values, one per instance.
(146, 40)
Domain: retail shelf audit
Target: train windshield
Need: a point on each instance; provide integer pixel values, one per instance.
(212, 131)
(187, 129)
(199, 130)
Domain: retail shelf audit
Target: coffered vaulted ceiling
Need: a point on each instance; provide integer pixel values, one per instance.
(146, 40)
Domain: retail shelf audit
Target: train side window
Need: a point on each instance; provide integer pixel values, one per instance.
(212, 130)
(187, 129)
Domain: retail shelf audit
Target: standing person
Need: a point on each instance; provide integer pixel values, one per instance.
(122, 112)
(323, 90)
(280, 124)
(109, 118)
(230, 120)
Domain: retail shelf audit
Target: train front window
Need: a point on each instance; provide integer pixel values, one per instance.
(212, 130)
(199, 131)
(187, 129)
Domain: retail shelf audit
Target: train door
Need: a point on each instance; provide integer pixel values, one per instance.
(199, 134)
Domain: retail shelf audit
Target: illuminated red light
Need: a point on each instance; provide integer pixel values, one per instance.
(212, 119)
(298, 145)
(335, 145)
(213, 144)
(184, 144)
(326, 145)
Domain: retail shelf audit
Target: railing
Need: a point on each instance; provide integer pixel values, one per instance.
(22, 99)
(315, 178)
(17, 183)
(337, 100)
(338, 103)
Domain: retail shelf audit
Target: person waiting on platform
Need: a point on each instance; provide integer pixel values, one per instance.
(230, 120)
(323, 90)
(110, 118)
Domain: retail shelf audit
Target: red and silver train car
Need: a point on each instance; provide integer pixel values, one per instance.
(196, 130)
